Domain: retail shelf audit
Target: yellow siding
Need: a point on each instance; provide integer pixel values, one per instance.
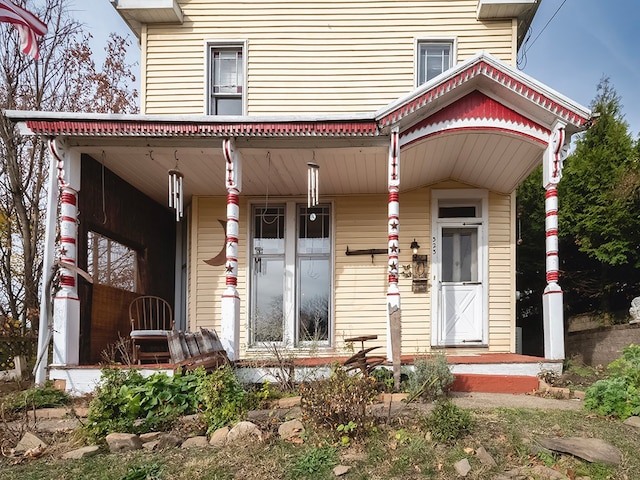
(360, 283)
(310, 57)
(501, 271)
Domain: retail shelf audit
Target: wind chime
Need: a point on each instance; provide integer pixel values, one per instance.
(175, 189)
(312, 183)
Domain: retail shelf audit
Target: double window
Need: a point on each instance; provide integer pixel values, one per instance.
(290, 274)
(226, 79)
(434, 57)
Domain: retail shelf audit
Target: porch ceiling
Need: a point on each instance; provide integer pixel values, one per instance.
(480, 158)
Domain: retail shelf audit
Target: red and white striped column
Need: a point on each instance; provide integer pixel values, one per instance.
(552, 298)
(230, 328)
(393, 229)
(66, 305)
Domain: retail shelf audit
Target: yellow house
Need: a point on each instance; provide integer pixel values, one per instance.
(342, 170)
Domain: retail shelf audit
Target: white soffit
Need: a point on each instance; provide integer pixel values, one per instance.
(149, 11)
(498, 9)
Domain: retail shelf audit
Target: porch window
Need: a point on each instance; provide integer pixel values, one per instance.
(226, 80)
(434, 57)
(290, 274)
(112, 263)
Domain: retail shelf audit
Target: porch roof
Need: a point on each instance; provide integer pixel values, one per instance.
(482, 123)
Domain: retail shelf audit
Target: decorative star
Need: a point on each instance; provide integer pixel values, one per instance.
(229, 268)
(63, 252)
(394, 225)
(393, 248)
(393, 267)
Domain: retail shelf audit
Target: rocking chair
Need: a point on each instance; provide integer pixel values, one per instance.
(151, 321)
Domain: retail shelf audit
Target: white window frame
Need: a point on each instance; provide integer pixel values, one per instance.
(291, 289)
(435, 40)
(208, 81)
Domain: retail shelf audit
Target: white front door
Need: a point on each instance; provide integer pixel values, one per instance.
(459, 287)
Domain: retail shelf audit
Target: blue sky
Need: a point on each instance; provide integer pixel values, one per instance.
(586, 40)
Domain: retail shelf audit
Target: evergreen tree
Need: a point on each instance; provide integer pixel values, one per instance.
(598, 214)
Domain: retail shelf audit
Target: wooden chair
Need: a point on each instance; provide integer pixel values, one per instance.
(151, 321)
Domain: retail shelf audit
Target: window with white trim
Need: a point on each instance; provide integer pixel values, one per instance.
(434, 57)
(290, 274)
(226, 79)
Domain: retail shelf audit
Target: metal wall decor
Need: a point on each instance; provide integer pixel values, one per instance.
(312, 183)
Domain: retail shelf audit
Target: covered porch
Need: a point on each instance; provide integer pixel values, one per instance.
(438, 167)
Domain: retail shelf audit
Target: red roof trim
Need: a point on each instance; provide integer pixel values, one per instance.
(164, 129)
(476, 105)
(483, 68)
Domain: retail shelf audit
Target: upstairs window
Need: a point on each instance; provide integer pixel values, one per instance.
(434, 57)
(226, 80)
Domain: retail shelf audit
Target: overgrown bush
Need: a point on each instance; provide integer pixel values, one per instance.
(618, 395)
(125, 401)
(448, 422)
(224, 400)
(341, 399)
(430, 378)
(37, 397)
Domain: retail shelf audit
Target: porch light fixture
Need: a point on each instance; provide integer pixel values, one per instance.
(414, 247)
(312, 184)
(175, 189)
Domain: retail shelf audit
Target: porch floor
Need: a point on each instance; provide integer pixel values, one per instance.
(482, 372)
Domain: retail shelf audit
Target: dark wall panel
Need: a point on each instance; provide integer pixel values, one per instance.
(121, 212)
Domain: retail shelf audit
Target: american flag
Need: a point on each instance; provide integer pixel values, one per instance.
(28, 25)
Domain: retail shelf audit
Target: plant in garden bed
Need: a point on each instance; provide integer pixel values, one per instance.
(618, 395)
(32, 398)
(224, 400)
(430, 378)
(447, 422)
(126, 401)
(342, 399)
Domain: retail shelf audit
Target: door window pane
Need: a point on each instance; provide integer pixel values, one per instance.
(459, 255)
(267, 307)
(313, 320)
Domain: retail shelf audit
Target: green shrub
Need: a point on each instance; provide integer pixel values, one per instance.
(125, 401)
(384, 379)
(314, 462)
(430, 378)
(448, 422)
(340, 399)
(37, 397)
(224, 400)
(618, 395)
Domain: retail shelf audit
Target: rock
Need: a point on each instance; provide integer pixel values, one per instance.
(150, 446)
(29, 441)
(541, 471)
(291, 429)
(168, 440)
(288, 402)
(123, 442)
(195, 442)
(462, 467)
(340, 470)
(485, 458)
(590, 449)
(244, 430)
(83, 452)
(219, 437)
(633, 421)
(634, 311)
(150, 436)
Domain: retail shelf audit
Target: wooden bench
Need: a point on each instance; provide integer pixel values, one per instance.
(190, 350)
(360, 360)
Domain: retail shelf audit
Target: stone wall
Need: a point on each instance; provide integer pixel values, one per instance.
(602, 345)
